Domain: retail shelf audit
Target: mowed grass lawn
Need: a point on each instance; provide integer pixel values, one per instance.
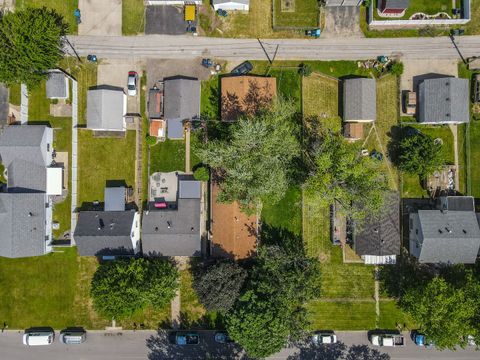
(101, 160)
(475, 157)
(133, 17)
(167, 156)
(341, 315)
(391, 315)
(63, 7)
(303, 13)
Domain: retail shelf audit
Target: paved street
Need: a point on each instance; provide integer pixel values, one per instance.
(184, 47)
(153, 346)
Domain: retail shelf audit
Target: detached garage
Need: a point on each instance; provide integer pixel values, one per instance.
(242, 5)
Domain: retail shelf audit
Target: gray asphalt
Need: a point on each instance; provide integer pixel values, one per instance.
(155, 346)
(185, 46)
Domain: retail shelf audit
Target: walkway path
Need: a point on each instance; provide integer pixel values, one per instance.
(175, 310)
(74, 189)
(188, 169)
(454, 129)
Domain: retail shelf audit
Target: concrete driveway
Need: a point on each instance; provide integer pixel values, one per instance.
(158, 69)
(100, 17)
(165, 19)
(3, 104)
(342, 21)
(115, 72)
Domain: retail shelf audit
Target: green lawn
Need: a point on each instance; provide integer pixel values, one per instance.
(473, 27)
(286, 214)
(342, 315)
(15, 96)
(101, 160)
(462, 158)
(475, 157)
(429, 7)
(133, 17)
(304, 13)
(411, 187)
(316, 229)
(167, 156)
(63, 7)
(210, 99)
(391, 314)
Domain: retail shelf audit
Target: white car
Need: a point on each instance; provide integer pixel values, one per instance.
(324, 338)
(132, 83)
(36, 338)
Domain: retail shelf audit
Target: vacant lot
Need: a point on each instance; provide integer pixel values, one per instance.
(101, 160)
(299, 13)
(133, 17)
(316, 229)
(342, 315)
(63, 7)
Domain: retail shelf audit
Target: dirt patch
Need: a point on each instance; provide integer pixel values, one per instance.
(342, 21)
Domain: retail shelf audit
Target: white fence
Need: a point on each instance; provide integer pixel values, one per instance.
(372, 23)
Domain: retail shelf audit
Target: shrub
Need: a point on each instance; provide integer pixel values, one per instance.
(201, 174)
(151, 140)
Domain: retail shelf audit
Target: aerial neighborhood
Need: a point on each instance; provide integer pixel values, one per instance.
(240, 179)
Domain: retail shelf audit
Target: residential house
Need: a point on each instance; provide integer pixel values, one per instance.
(378, 240)
(241, 5)
(448, 235)
(343, 2)
(172, 224)
(110, 233)
(233, 233)
(393, 8)
(26, 205)
(57, 85)
(245, 95)
(444, 101)
(157, 126)
(181, 104)
(106, 108)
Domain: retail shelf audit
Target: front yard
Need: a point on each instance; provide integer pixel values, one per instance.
(428, 7)
(133, 17)
(296, 13)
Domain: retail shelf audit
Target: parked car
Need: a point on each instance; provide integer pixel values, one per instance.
(40, 337)
(471, 340)
(388, 340)
(324, 337)
(222, 337)
(132, 83)
(242, 69)
(187, 338)
(70, 337)
(420, 339)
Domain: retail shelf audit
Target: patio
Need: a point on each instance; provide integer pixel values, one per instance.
(163, 187)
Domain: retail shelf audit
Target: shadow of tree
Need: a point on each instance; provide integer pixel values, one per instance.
(285, 239)
(338, 351)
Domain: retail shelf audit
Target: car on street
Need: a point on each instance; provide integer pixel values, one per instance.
(222, 337)
(71, 337)
(187, 338)
(242, 69)
(132, 83)
(387, 340)
(420, 339)
(38, 337)
(324, 337)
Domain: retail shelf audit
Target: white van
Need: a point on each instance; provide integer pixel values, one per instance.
(35, 338)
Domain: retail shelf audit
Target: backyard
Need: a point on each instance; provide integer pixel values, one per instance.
(295, 13)
(475, 158)
(133, 17)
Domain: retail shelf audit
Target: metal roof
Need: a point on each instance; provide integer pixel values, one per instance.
(106, 107)
(359, 99)
(444, 100)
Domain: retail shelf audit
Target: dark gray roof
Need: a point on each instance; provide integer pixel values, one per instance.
(22, 224)
(359, 99)
(175, 128)
(106, 108)
(444, 100)
(104, 233)
(449, 237)
(173, 232)
(182, 98)
(380, 235)
(395, 4)
(155, 106)
(115, 198)
(57, 85)
(460, 203)
(189, 189)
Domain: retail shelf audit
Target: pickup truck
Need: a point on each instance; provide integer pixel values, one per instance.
(390, 340)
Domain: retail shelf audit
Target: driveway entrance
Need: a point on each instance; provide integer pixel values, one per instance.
(342, 21)
(100, 17)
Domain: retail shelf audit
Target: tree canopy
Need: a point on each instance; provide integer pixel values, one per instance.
(121, 287)
(342, 175)
(219, 285)
(254, 162)
(31, 43)
(419, 155)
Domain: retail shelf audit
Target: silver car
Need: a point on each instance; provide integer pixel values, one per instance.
(132, 83)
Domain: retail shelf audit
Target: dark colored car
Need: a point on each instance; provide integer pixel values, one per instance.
(242, 69)
(222, 337)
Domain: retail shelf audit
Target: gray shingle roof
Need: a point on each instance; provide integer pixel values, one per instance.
(444, 100)
(175, 128)
(173, 232)
(460, 203)
(22, 224)
(449, 237)
(57, 85)
(359, 99)
(114, 198)
(380, 235)
(189, 189)
(106, 108)
(104, 233)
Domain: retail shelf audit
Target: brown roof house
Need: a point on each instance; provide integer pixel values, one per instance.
(245, 95)
(233, 233)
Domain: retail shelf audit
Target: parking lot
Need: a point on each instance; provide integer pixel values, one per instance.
(165, 19)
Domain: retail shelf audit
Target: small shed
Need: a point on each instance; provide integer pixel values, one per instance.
(155, 103)
(57, 85)
(359, 100)
(353, 131)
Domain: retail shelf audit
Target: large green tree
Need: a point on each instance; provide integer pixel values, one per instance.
(121, 287)
(31, 42)
(218, 286)
(341, 174)
(444, 312)
(419, 154)
(254, 163)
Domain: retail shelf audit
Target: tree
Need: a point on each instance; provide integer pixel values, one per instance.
(32, 43)
(151, 140)
(444, 312)
(419, 154)
(305, 70)
(219, 285)
(396, 68)
(121, 287)
(342, 175)
(201, 174)
(253, 164)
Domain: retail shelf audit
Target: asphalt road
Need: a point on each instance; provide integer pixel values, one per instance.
(155, 346)
(182, 47)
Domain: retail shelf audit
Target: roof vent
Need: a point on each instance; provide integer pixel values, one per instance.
(440, 231)
(156, 228)
(169, 224)
(192, 229)
(375, 230)
(101, 224)
(447, 83)
(447, 114)
(464, 231)
(30, 214)
(111, 225)
(447, 99)
(448, 230)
